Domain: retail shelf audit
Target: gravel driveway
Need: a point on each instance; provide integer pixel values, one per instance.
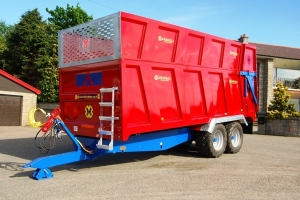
(267, 167)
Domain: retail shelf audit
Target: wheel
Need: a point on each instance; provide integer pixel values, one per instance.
(213, 144)
(234, 137)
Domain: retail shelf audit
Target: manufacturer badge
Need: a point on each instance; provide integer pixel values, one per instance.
(89, 111)
(85, 44)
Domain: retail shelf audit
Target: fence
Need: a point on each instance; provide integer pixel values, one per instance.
(287, 82)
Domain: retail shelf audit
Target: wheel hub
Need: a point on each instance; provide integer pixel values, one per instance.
(235, 138)
(218, 140)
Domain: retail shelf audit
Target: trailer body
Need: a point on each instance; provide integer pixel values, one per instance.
(167, 76)
(132, 84)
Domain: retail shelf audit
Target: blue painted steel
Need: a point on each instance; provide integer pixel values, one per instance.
(249, 80)
(156, 141)
(42, 164)
(93, 79)
(44, 173)
(96, 78)
(80, 78)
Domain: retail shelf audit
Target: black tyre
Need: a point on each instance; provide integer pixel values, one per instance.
(213, 144)
(234, 137)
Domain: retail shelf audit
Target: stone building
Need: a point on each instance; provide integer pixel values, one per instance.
(16, 99)
(274, 64)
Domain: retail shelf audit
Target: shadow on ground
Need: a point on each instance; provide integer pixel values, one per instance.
(25, 148)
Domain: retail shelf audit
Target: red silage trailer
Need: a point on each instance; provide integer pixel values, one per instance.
(136, 84)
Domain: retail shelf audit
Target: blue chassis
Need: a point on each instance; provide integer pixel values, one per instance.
(155, 141)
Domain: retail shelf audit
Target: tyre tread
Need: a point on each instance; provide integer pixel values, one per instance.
(204, 143)
(229, 128)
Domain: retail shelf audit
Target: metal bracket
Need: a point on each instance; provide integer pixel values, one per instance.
(249, 80)
(44, 173)
(211, 125)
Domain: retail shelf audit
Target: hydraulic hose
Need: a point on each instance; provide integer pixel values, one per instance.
(50, 131)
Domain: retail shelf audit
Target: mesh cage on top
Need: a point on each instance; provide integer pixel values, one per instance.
(91, 42)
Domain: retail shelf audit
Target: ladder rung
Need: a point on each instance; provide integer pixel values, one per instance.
(111, 118)
(102, 132)
(99, 146)
(106, 104)
(105, 118)
(108, 89)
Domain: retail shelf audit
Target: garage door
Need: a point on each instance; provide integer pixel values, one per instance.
(10, 110)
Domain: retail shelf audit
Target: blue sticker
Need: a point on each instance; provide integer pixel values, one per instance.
(80, 80)
(93, 79)
(88, 81)
(96, 78)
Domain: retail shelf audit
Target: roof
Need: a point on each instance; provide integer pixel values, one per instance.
(20, 82)
(277, 51)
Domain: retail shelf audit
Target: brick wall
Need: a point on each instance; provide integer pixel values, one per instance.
(265, 87)
(265, 78)
(283, 127)
(28, 101)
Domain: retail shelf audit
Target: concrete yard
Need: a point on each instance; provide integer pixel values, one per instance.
(267, 167)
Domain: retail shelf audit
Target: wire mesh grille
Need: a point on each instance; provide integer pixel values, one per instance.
(95, 41)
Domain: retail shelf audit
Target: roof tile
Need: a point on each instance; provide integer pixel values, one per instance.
(277, 51)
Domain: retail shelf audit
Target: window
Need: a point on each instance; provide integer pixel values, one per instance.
(286, 76)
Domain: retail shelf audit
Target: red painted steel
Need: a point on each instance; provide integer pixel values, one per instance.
(168, 76)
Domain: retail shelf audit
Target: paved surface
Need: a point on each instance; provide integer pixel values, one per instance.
(268, 167)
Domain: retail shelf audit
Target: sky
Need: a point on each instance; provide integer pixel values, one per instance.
(275, 22)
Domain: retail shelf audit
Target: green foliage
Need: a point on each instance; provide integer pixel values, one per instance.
(280, 106)
(49, 82)
(29, 49)
(4, 28)
(32, 54)
(2, 44)
(46, 64)
(23, 44)
(69, 17)
(2, 49)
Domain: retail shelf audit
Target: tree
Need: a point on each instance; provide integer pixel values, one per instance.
(23, 47)
(46, 64)
(69, 17)
(2, 49)
(4, 28)
(32, 49)
(280, 106)
(32, 54)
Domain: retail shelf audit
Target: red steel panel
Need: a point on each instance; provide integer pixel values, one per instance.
(194, 48)
(133, 36)
(218, 96)
(195, 91)
(136, 103)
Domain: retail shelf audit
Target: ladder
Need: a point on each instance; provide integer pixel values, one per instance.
(111, 118)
